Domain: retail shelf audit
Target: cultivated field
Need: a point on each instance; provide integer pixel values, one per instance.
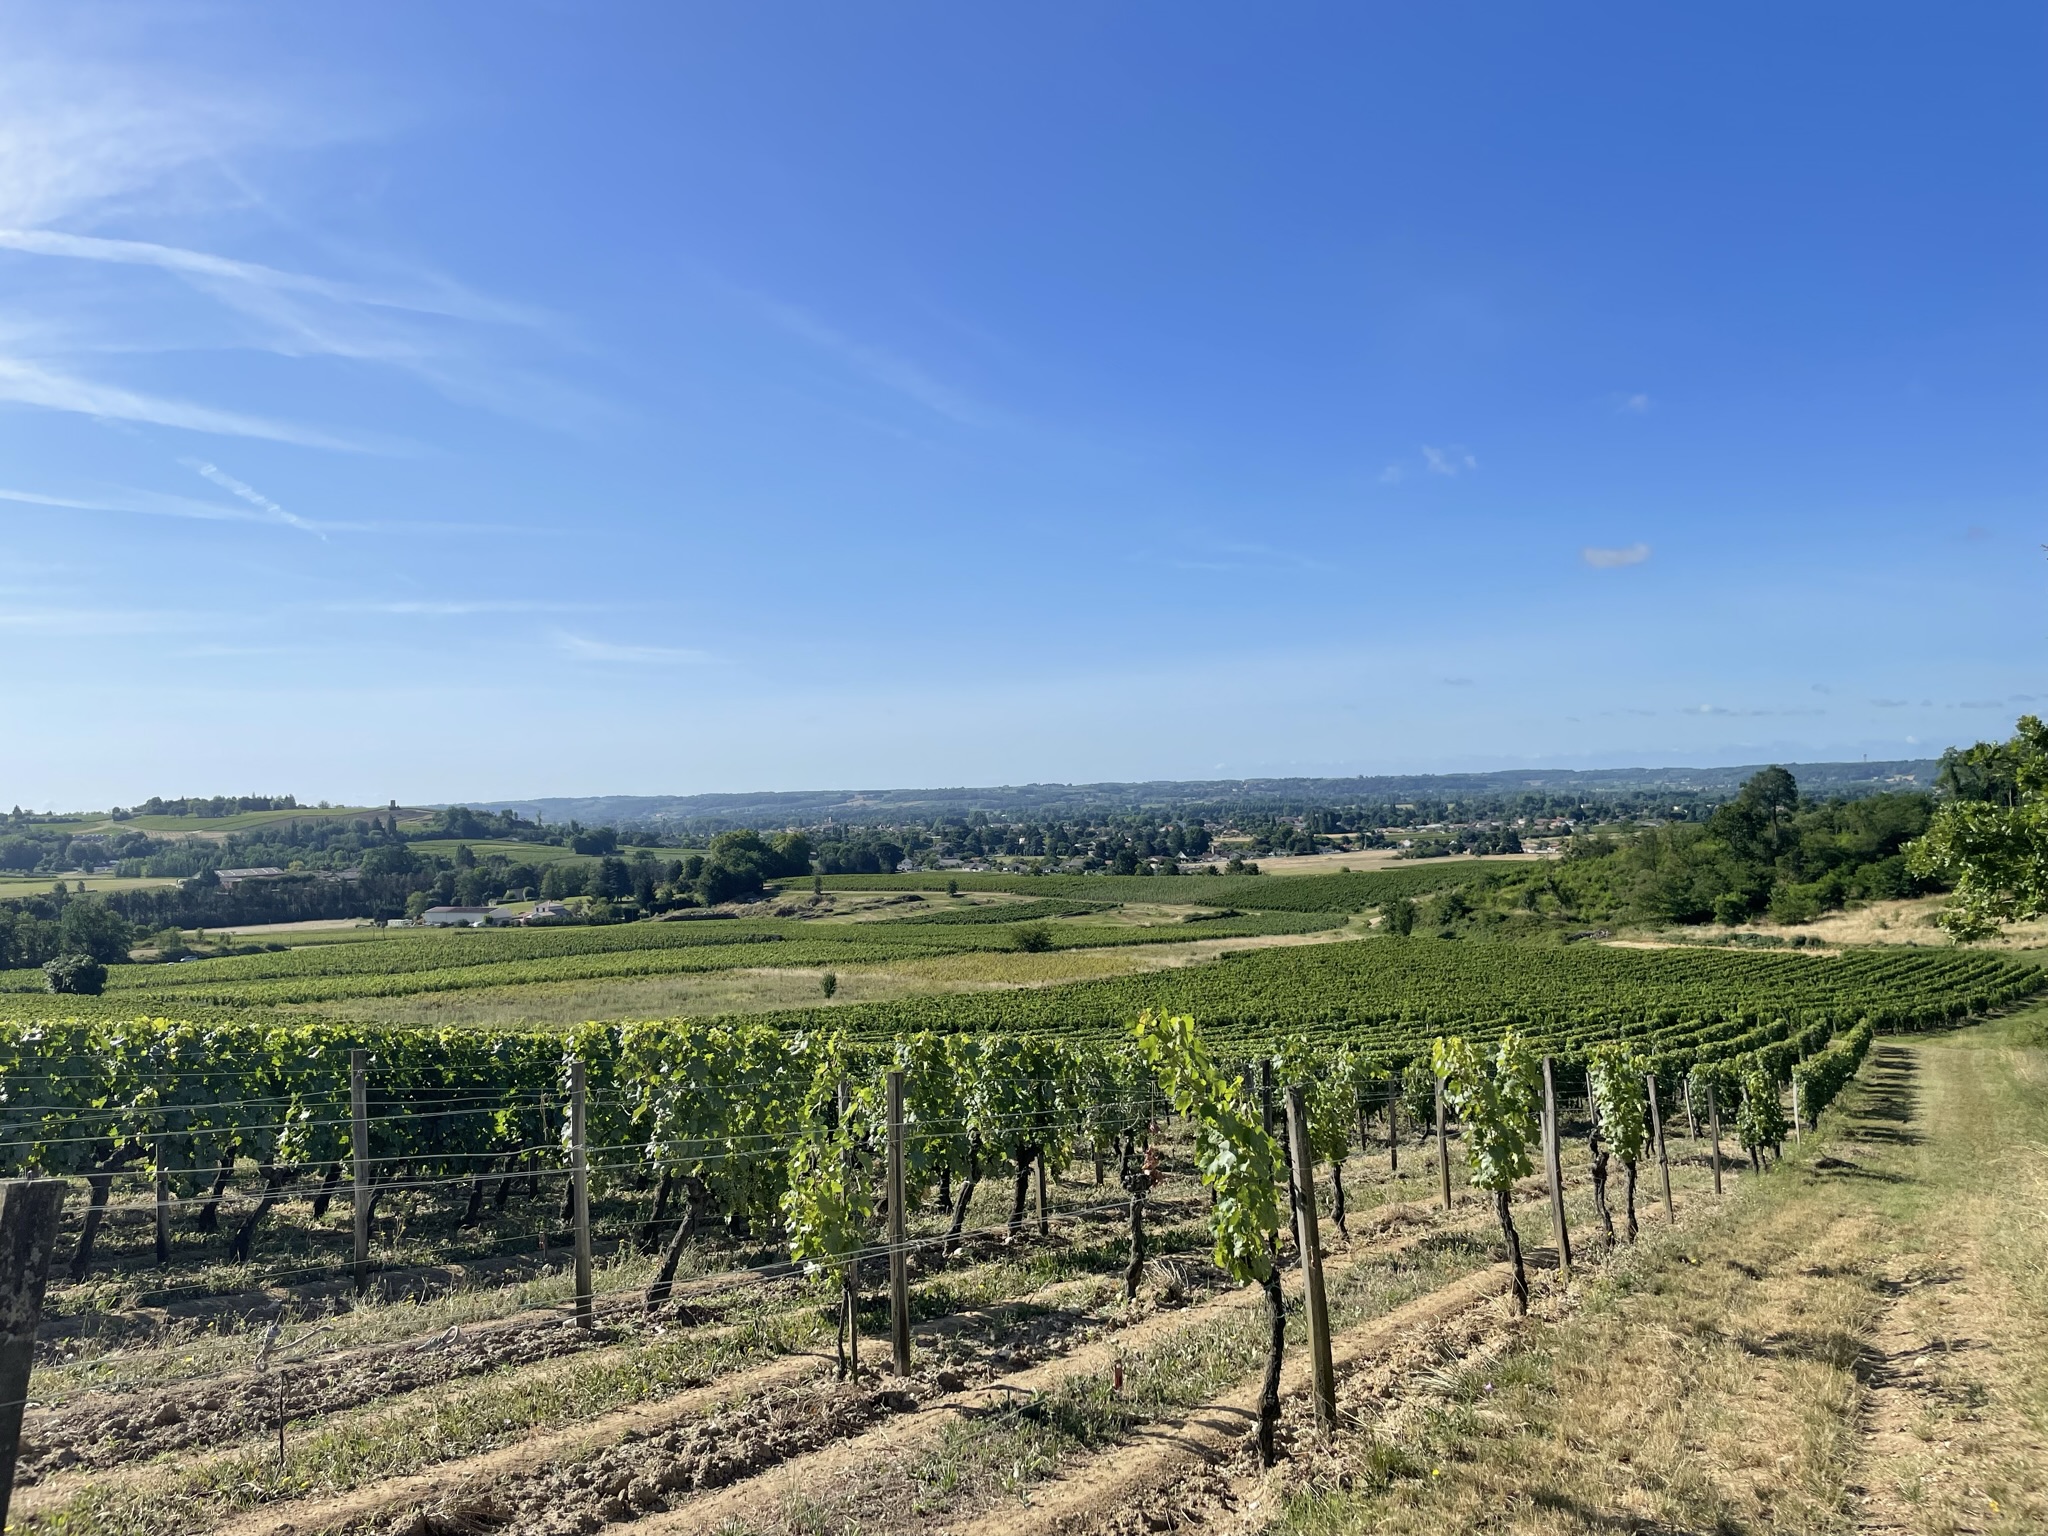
(208, 1363)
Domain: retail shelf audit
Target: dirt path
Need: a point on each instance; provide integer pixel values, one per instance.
(920, 1431)
(1181, 1447)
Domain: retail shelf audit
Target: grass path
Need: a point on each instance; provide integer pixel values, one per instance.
(1857, 1343)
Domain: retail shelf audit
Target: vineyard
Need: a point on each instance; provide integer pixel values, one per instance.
(460, 960)
(786, 1235)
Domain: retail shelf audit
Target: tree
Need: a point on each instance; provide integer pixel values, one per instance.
(1398, 916)
(93, 928)
(1989, 840)
(1498, 1108)
(1239, 1163)
(1772, 794)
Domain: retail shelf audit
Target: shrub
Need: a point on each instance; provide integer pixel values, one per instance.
(75, 975)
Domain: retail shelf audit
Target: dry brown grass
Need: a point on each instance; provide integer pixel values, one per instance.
(1857, 1343)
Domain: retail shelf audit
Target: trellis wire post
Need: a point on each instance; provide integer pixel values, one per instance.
(1553, 1167)
(1443, 1144)
(1714, 1130)
(1322, 1368)
(163, 1205)
(28, 1237)
(579, 1177)
(849, 1279)
(1663, 1158)
(1796, 1137)
(359, 1138)
(1393, 1125)
(899, 1256)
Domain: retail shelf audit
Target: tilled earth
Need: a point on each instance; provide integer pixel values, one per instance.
(96, 1433)
(644, 1475)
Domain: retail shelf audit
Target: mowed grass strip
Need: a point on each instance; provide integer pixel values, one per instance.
(1857, 1342)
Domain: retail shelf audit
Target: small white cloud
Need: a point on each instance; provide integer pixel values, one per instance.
(1634, 405)
(1612, 559)
(583, 648)
(1452, 461)
(1393, 474)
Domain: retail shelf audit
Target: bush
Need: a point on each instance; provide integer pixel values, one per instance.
(1793, 904)
(1033, 938)
(1731, 908)
(75, 975)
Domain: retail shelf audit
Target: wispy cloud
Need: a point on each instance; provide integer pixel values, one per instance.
(1393, 474)
(438, 297)
(1614, 559)
(1634, 405)
(1752, 714)
(250, 494)
(1451, 461)
(155, 504)
(95, 621)
(458, 607)
(84, 142)
(1456, 682)
(29, 383)
(583, 648)
(880, 366)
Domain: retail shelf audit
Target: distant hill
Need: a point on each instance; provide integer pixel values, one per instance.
(812, 807)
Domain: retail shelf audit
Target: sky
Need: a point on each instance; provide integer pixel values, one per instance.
(477, 400)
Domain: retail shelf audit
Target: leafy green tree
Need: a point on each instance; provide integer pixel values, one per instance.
(93, 928)
(1497, 1105)
(1397, 916)
(1989, 840)
(1239, 1163)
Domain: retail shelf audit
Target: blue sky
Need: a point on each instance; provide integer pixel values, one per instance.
(477, 400)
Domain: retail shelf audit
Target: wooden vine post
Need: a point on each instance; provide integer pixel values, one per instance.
(28, 1237)
(1323, 1369)
(579, 1178)
(1443, 1143)
(359, 1134)
(1663, 1157)
(1796, 1137)
(163, 1206)
(849, 1278)
(1394, 1125)
(1553, 1166)
(1044, 1224)
(1714, 1129)
(899, 1256)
